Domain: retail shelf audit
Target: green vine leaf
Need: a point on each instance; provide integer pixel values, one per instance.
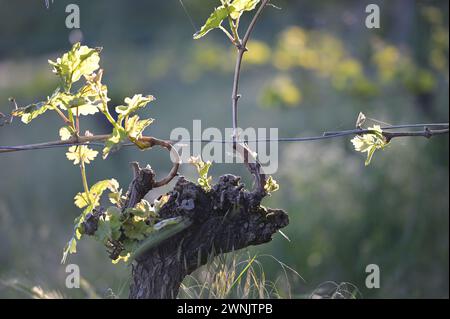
(82, 104)
(124, 256)
(137, 102)
(234, 10)
(81, 154)
(370, 142)
(202, 169)
(92, 199)
(214, 21)
(70, 248)
(89, 202)
(119, 135)
(239, 6)
(94, 91)
(134, 127)
(117, 198)
(271, 185)
(32, 111)
(143, 210)
(109, 225)
(136, 228)
(79, 61)
(66, 132)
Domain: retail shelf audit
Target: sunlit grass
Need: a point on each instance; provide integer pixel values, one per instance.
(237, 275)
(31, 291)
(36, 291)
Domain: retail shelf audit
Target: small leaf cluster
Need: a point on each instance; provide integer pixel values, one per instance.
(129, 126)
(82, 62)
(87, 201)
(202, 169)
(231, 10)
(122, 230)
(271, 185)
(370, 142)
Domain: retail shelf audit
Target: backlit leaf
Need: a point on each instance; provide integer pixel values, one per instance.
(138, 101)
(65, 133)
(79, 61)
(135, 127)
(370, 142)
(81, 153)
(239, 6)
(271, 185)
(118, 136)
(214, 21)
(202, 169)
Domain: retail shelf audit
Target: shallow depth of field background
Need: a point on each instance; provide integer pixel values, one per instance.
(312, 67)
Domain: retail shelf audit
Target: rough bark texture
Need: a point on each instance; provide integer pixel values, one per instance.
(225, 219)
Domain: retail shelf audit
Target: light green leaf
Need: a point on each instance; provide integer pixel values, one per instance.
(71, 248)
(32, 111)
(370, 153)
(81, 153)
(239, 6)
(214, 21)
(94, 91)
(116, 198)
(202, 169)
(124, 256)
(98, 188)
(83, 105)
(133, 104)
(271, 185)
(82, 200)
(143, 210)
(118, 136)
(79, 61)
(109, 225)
(136, 228)
(87, 100)
(96, 191)
(135, 127)
(370, 142)
(159, 203)
(235, 9)
(103, 232)
(65, 133)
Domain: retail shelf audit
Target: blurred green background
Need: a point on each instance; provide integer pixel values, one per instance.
(312, 67)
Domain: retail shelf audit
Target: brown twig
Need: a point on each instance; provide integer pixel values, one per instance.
(175, 159)
(254, 166)
(425, 133)
(242, 48)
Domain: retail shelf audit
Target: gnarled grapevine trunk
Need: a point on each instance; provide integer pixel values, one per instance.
(225, 219)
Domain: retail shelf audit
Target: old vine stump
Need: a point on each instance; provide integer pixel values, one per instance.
(224, 219)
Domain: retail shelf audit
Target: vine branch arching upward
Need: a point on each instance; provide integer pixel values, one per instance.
(241, 49)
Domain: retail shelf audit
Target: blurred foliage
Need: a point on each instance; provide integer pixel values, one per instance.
(342, 216)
